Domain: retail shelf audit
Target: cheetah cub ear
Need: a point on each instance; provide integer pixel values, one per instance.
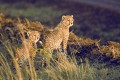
(63, 17)
(71, 15)
(28, 33)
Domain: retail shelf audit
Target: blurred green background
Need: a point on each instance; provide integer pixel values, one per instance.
(90, 20)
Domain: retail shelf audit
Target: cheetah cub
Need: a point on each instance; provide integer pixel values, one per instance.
(58, 38)
(28, 48)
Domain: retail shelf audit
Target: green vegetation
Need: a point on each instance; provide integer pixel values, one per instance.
(28, 10)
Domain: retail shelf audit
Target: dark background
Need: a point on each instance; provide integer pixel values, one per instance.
(96, 19)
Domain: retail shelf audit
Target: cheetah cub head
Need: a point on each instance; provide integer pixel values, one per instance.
(34, 36)
(68, 20)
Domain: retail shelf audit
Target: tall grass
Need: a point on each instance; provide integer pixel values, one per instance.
(62, 68)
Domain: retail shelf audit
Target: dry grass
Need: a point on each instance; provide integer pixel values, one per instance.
(113, 48)
(62, 66)
(74, 39)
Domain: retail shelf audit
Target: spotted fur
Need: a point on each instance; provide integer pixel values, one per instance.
(28, 48)
(57, 38)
